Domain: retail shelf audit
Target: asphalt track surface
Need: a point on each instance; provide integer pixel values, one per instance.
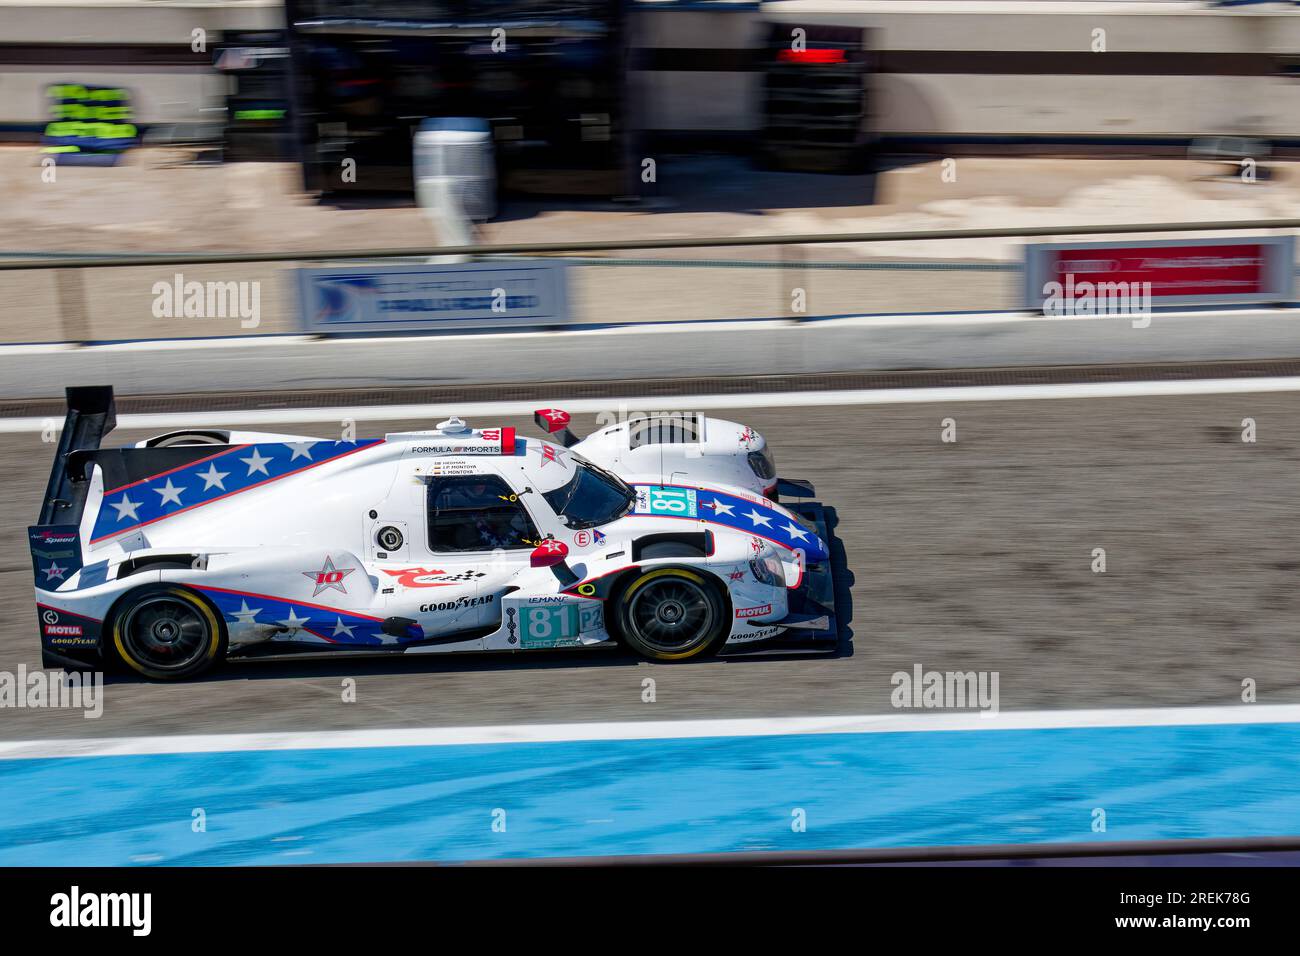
(973, 555)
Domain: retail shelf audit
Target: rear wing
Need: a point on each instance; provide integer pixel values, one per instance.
(55, 540)
(92, 414)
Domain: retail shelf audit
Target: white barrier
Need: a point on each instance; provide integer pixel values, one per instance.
(651, 352)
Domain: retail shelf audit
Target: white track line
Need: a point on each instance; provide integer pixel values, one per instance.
(845, 397)
(656, 730)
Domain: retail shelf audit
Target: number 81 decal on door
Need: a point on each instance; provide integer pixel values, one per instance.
(558, 625)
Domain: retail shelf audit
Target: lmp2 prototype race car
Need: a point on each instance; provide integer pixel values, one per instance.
(663, 533)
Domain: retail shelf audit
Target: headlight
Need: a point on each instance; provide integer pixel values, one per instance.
(768, 569)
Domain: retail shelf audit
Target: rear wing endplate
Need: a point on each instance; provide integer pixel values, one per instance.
(92, 414)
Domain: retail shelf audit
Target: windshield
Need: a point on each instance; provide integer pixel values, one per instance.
(591, 497)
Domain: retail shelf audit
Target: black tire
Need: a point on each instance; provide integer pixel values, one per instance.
(671, 614)
(167, 632)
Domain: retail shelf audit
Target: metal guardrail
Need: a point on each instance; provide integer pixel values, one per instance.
(77, 328)
(547, 248)
(883, 265)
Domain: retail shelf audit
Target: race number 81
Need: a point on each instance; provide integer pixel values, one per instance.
(675, 502)
(549, 625)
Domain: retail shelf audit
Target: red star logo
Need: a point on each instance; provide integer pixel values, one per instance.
(329, 577)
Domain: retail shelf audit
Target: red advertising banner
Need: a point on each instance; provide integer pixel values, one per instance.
(1165, 273)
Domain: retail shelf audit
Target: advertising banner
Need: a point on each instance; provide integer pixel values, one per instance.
(1078, 278)
(421, 298)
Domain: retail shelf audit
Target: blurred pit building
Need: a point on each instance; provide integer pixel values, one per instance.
(574, 94)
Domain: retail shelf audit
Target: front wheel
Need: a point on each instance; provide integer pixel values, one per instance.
(671, 614)
(167, 633)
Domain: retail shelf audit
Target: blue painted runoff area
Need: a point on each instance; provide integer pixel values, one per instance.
(680, 795)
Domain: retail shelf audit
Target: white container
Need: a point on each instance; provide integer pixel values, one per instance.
(453, 161)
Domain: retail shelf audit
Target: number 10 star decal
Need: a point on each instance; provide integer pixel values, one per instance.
(329, 577)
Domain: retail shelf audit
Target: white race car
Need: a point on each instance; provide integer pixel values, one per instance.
(191, 547)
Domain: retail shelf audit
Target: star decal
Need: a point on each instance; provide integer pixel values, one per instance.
(341, 628)
(721, 507)
(126, 508)
(246, 614)
(54, 571)
(795, 531)
(328, 577)
(213, 478)
(301, 449)
(293, 623)
(758, 519)
(170, 493)
(256, 463)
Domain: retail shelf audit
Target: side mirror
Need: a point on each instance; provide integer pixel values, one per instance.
(555, 421)
(551, 419)
(548, 554)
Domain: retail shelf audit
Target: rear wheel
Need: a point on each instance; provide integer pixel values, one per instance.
(671, 614)
(167, 633)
